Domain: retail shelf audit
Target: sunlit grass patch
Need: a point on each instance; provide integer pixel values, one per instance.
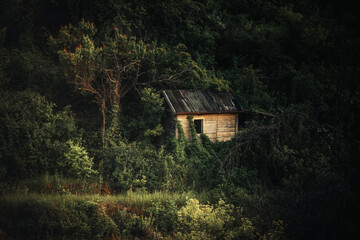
(128, 199)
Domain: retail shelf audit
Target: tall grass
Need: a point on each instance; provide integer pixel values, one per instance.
(129, 199)
(59, 189)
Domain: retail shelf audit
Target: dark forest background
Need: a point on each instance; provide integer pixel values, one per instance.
(80, 82)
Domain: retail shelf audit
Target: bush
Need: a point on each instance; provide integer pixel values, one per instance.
(195, 164)
(77, 162)
(165, 215)
(137, 166)
(42, 218)
(32, 135)
(148, 123)
(197, 220)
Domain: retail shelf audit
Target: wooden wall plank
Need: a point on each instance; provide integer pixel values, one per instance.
(218, 127)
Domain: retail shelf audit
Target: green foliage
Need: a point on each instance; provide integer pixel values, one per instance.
(294, 59)
(148, 124)
(137, 226)
(51, 184)
(117, 64)
(98, 217)
(77, 162)
(195, 147)
(249, 90)
(200, 161)
(212, 222)
(4, 58)
(33, 136)
(82, 216)
(276, 232)
(193, 161)
(53, 219)
(179, 144)
(136, 166)
(165, 215)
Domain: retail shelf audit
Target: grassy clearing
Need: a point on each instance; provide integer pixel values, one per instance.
(129, 199)
(61, 191)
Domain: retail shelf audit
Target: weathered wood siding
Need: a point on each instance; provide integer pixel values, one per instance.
(218, 127)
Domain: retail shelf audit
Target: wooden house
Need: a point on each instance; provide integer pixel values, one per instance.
(215, 114)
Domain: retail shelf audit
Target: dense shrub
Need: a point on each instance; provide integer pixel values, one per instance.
(77, 162)
(36, 218)
(147, 125)
(33, 135)
(165, 215)
(212, 222)
(136, 166)
(194, 164)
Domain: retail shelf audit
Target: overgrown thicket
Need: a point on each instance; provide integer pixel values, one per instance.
(81, 112)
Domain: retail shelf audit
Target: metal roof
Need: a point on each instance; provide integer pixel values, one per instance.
(201, 102)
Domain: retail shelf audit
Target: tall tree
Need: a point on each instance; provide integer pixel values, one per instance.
(109, 69)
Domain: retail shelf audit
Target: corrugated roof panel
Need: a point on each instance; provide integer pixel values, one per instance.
(201, 101)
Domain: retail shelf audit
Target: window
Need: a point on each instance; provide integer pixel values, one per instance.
(198, 125)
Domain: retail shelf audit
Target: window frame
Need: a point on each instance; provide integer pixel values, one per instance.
(201, 125)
